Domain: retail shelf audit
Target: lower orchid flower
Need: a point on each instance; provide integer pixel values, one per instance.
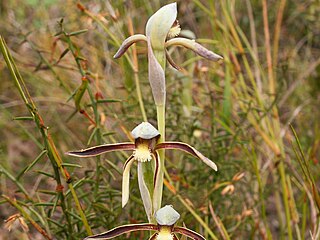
(144, 149)
(166, 218)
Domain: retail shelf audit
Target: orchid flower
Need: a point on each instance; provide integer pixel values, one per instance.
(162, 30)
(166, 217)
(144, 149)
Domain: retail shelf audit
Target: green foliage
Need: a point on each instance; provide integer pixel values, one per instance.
(64, 92)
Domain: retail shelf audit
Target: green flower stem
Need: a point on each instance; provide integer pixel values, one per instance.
(161, 128)
(140, 100)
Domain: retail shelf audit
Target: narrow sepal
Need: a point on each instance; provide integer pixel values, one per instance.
(123, 229)
(171, 62)
(187, 148)
(144, 191)
(128, 42)
(189, 233)
(156, 77)
(156, 182)
(194, 46)
(97, 150)
(126, 180)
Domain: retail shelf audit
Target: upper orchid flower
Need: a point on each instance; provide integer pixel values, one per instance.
(166, 217)
(144, 149)
(161, 31)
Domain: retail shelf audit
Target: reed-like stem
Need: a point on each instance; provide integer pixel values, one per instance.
(53, 154)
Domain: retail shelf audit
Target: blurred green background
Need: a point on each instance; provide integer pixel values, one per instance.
(236, 112)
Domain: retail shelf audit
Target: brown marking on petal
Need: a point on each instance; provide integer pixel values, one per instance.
(156, 171)
(189, 233)
(127, 161)
(187, 148)
(124, 229)
(97, 150)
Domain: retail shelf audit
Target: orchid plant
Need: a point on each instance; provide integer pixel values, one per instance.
(145, 148)
(166, 218)
(162, 30)
(161, 33)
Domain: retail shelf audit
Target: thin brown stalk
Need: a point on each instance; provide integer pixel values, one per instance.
(254, 44)
(15, 204)
(219, 223)
(277, 31)
(268, 47)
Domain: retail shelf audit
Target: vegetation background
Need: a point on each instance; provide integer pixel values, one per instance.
(236, 112)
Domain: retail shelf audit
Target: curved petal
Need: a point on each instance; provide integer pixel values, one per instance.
(156, 77)
(123, 229)
(194, 46)
(187, 148)
(145, 194)
(159, 24)
(126, 180)
(172, 63)
(128, 42)
(156, 182)
(189, 233)
(97, 150)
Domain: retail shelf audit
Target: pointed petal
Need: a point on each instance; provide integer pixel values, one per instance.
(189, 233)
(128, 42)
(126, 180)
(156, 182)
(145, 194)
(156, 77)
(97, 150)
(123, 229)
(187, 148)
(159, 24)
(172, 63)
(194, 46)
